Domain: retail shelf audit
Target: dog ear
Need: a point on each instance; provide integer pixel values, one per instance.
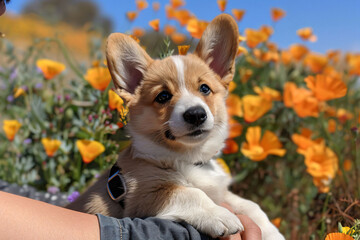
(218, 46)
(127, 62)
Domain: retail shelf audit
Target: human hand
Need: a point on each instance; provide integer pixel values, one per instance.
(251, 232)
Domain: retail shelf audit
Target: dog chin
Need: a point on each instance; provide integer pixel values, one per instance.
(191, 138)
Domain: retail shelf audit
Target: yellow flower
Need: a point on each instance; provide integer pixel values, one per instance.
(255, 107)
(50, 145)
(338, 236)
(50, 68)
(222, 4)
(232, 86)
(183, 49)
(277, 14)
(116, 102)
(325, 87)
(11, 127)
(98, 77)
(18, 92)
(223, 165)
(347, 230)
(238, 14)
(155, 24)
(141, 4)
(257, 148)
(268, 93)
(241, 50)
(89, 149)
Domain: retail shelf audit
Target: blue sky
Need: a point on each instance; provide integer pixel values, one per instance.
(336, 23)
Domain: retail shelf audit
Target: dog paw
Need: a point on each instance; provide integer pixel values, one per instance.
(272, 234)
(219, 222)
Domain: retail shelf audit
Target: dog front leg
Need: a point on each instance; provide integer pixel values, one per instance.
(194, 207)
(252, 210)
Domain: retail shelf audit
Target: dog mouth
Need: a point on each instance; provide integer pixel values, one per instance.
(196, 133)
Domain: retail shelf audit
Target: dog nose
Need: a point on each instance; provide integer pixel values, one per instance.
(195, 115)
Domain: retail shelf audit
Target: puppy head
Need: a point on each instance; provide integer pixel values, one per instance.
(177, 104)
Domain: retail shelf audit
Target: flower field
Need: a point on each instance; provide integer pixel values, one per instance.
(293, 114)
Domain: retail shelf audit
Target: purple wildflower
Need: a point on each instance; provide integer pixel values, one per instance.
(67, 97)
(61, 110)
(73, 196)
(27, 141)
(10, 98)
(90, 118)
(53, 190)
(38, 86)
(13, 75)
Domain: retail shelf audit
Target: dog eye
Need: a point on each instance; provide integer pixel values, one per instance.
(204, 89)
(163, 97)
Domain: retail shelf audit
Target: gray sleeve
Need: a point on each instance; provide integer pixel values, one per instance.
(146, 229)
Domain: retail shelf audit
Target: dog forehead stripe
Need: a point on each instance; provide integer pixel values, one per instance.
(179, 64)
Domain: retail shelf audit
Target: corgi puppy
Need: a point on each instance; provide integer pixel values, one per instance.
(178, 123)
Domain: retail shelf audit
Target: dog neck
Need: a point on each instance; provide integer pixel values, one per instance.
(144, 148)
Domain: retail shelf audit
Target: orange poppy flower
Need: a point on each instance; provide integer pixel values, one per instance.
(347, 164)
(286, 57)
(114, 100)
(50, 68)
(298, 51)
(325, 87)
(331, 125)
(306, 34)
(156, 6)
(141, 4)
(268, 93)
(333, 55)
(238, 14)
(170, 12)
(19, 92)
(89, 149)
(11, 127)
(222, 4)
(178, 38)
(196, 27)
(230, 147)
(277, 14)
(183, 16)
(353, 61)
(255, 107)
(50, 146)
(321, 161)
(257, 148)
(322, 184)
(234, 105)
(223, 165)
(241, 50)
(131, 15)
(98, 77)
(338, 236)
(276, 222)
(169, 29)
(343, 115)
(155, 24)
(268, 30)
(254, 37)
(177, 3)
(316, 62)
(235, 128)
(306, 105)
(183, 49)
(245, 74)
(303, 140)
(232, 86)
(289, 90)
(138, 32)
